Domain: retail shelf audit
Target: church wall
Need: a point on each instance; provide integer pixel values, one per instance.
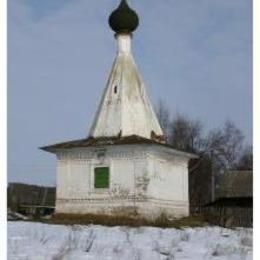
(75, 178)
(169, 182)
(143, 179)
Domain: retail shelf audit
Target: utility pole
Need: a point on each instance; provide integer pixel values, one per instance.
(212, 186)
(212, 178)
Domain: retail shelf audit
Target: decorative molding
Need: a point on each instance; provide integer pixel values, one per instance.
(158, 202)
(102, 200)
(80, 155)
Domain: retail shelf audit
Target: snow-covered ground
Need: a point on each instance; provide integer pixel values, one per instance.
(36, 241)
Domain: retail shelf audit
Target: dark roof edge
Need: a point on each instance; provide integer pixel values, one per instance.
(107, 141)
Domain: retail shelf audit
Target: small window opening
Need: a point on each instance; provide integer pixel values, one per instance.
(115, 89)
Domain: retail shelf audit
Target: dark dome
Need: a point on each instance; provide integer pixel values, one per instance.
(123, 19)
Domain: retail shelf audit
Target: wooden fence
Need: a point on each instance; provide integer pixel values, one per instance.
(230, 212)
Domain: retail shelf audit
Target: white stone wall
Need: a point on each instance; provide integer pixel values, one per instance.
(142, 178)
(169, 182)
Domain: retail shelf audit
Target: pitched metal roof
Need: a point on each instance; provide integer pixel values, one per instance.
(106, 141)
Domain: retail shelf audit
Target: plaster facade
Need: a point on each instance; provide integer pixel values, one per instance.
(147, 180)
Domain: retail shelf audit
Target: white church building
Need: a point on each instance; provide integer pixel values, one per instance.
(124, 165)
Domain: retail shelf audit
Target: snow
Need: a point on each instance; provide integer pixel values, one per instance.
(37, 241)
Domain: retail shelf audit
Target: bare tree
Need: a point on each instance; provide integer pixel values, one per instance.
(245, 161)
(186, 134)
(224, 145)
(163, 116)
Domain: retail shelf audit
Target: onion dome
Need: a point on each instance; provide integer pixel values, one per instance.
(123, 19)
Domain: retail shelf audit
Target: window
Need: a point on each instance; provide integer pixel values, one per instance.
(101, 179)
(115, 89)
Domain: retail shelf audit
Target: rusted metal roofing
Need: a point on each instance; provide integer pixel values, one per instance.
(105, 141)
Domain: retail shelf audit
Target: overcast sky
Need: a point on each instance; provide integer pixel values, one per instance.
(196, 56)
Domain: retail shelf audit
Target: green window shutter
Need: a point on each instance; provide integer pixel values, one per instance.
(101, 178)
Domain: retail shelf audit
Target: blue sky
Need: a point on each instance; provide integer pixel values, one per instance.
(196, 56)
